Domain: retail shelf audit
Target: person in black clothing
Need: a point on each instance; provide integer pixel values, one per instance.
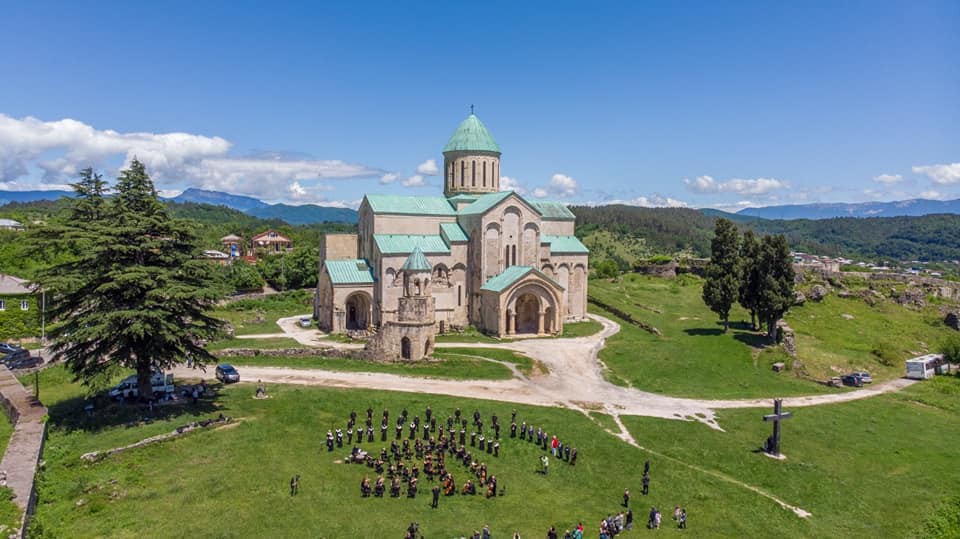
(436, 496)
(626, 498)
(646, 467)
(552, 534)
(294, 485)
(646, 483)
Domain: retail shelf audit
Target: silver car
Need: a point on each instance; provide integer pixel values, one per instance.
(227, 373)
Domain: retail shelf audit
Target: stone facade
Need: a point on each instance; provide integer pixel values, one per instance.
(496, 260)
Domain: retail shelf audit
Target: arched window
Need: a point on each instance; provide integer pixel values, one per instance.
(506, 257)
(459, 295)
(473, 173)
(514, 263)
(484, 173)
(463, 173)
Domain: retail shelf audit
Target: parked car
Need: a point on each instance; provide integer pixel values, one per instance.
(306, 322)
(227, 373)
(128, 388)
(864, 377)
(11, 353)
(852, 380)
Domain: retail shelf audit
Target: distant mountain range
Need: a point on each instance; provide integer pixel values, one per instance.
(902, 208)
(7, 197)
(294, 215)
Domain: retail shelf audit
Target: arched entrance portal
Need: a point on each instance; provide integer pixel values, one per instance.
(358, 311)
(405, 348)
(528, 313)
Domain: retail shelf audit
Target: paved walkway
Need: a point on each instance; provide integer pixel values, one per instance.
(26, 444)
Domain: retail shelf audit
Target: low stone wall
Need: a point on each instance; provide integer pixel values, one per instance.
(347, 353)
(22, 458)
(626, 316)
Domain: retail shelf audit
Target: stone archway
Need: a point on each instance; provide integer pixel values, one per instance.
(528, 314)
(357, 309)
(405, 348)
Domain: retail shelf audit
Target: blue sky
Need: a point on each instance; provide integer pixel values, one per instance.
(723, 104)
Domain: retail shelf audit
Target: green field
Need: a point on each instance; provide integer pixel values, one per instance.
(693, 357)
(843, 460)
(524, 364)
(260, 315)
(9, 512)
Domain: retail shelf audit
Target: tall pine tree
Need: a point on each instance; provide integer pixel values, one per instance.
(750, 278)
(776, 281)
(722, 286)
(136, 297)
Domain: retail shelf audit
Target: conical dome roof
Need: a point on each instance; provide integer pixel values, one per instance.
(417, 261)
(471, 135)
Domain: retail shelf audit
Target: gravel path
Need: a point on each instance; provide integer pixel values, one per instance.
(575, 380)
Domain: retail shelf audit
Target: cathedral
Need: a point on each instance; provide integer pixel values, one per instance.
(475, 256)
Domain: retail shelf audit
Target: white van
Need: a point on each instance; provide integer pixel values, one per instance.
(924, 367)
(162, 385)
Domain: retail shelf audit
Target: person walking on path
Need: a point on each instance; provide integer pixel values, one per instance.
(545, 463)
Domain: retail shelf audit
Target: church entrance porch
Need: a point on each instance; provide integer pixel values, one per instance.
(528, 317)
(357, 309)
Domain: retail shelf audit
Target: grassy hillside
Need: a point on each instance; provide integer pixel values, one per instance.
(693, 357)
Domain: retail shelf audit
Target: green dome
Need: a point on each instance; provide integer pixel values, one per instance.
(416, 261)
(471, 135)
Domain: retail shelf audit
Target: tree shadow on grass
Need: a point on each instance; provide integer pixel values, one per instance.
(703, 332)
(74, 413)
(756, 340)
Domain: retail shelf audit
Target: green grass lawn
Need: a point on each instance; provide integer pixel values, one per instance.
(693, 357)
(524, 363)
(875, 467)
(581, 329)
(6, 429)
(9, 512)
(270, 343)
(455, 367)
(253, 316)
(470, 334)
(178, 488)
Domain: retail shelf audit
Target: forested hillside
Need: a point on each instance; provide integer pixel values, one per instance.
(668, 230)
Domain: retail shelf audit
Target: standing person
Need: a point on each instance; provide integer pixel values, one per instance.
(676, 513)
(646, 484)
(629, 519)
(656, 520)
(626, 498)
(646, 467)
(516, 534)
(552, 534)
(683, 518)
(436, 496)
(545, 463)
(294, 484)
(652, 517)
(553, 445)
(485, 531)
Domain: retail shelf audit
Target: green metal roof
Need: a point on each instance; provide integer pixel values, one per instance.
(553, 210)
(401, 244)
(409, 205)
(416, 261)
(564, 244)
(499, 283)
(471, 135)
(462, 197)
(484, 203)
(453, 233)
(349, 271)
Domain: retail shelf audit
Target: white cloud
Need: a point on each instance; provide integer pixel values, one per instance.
(415, 181)
(931, 195)
(540, 192)
(389, 177)
(25, 186)
(428, 168)
(60, 148)
(888, 179)
(511, 184)
(940, 174)
(653, 201)
(169, 193)
(563, 186)
(740, 186)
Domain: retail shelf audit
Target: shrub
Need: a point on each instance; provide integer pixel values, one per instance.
(885, 354)
(950, 348)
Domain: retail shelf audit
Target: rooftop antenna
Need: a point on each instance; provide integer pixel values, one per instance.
(471, 109)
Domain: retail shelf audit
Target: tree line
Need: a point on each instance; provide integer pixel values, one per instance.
(755, 272)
